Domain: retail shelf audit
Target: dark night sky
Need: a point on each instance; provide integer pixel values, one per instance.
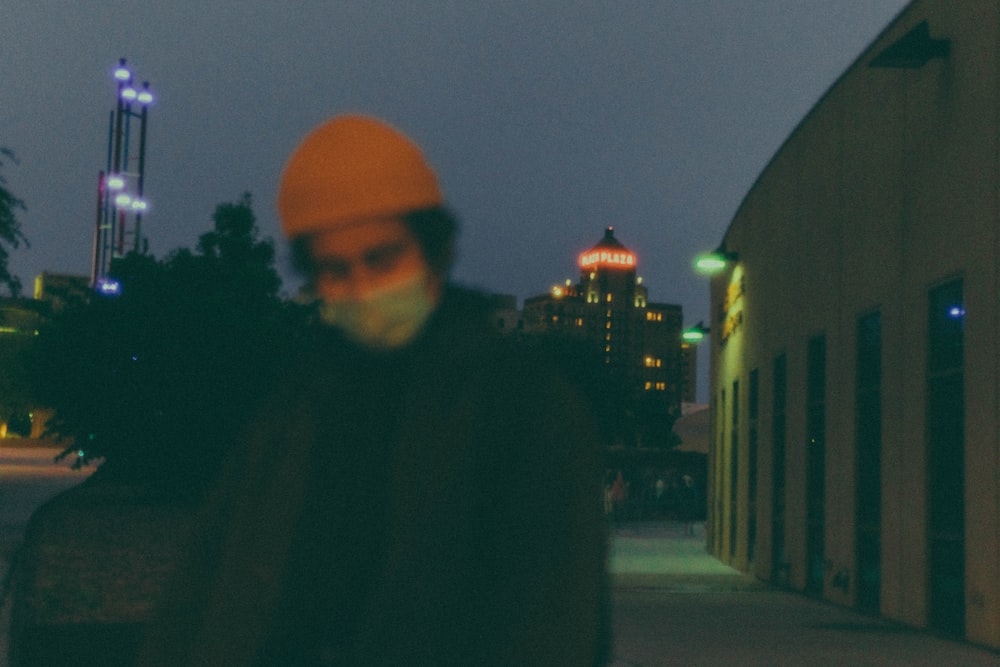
(547, 121)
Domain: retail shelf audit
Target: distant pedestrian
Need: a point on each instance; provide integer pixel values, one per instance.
(619, 495)
(489, 548)
(689, 503)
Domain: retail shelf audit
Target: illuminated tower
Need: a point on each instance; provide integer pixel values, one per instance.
(608, 308)
(608, 283)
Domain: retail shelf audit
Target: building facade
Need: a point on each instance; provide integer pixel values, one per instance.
(855, 446)
(609, 311)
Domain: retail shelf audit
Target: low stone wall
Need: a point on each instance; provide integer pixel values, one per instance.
(93, 564)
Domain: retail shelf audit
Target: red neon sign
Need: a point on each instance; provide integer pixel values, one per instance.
(617, 259)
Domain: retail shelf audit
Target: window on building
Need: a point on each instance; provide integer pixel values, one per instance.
(715, 537)
(779, 400)
(815, 464)
(734, 471)
(945, 443)
(868, 459)
(753, 410)
(609, 295)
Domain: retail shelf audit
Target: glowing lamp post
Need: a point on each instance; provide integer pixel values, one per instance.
(120, 190)
(713, 262)
(695, 334)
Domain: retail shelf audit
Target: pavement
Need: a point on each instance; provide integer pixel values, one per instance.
(673, 603)
(29, 475)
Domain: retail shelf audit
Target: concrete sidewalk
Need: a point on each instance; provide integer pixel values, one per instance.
(667, 554)
(676, 605)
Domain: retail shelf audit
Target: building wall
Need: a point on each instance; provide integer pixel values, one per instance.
(888, 188)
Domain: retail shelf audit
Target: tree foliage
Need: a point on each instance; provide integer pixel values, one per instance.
(580, 362)
(19, 318)
(158, 379)
(11, 235)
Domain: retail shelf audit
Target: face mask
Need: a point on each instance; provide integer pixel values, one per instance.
(384, 319)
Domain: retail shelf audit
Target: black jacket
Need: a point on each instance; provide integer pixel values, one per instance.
(438, 506)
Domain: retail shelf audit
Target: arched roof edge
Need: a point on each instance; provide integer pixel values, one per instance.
(875, 44)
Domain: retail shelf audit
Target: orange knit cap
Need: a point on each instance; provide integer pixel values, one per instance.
(353, 168)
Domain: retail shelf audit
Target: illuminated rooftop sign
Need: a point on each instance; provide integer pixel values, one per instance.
(610, 258)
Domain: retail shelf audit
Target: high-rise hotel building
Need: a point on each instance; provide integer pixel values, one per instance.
(609, 309)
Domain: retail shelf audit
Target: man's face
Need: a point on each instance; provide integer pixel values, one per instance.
(352, 262)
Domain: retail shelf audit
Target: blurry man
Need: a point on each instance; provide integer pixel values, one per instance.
(419, 491)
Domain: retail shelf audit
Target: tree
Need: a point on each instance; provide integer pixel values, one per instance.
(654, 423)
(159, 379)
(605, 392)
(10, 228)
(18, 321)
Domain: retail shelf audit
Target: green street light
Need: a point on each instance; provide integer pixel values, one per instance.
(713, 262)
(695, 334)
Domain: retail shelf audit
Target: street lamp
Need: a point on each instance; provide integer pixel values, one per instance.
(120, 191)
(710, 263)
(695, 334)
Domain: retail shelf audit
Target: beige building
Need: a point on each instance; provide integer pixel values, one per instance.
(855, 365)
